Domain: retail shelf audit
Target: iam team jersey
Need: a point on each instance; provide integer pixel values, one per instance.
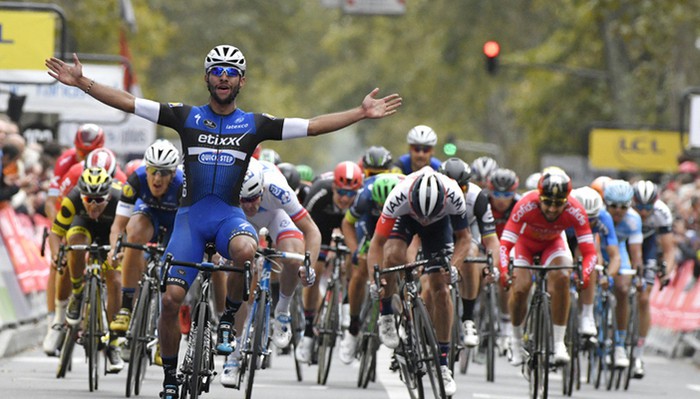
(397, 204)
(217, 148)
(479, 215)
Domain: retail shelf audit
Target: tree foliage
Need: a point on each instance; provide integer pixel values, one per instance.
(564, 65)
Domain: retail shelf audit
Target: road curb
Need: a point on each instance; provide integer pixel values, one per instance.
(21, 337)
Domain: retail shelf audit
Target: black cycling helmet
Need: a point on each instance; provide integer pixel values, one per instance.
(503, 180)
(554, 185)
(376, 158)
(290, 173)
(457, 170)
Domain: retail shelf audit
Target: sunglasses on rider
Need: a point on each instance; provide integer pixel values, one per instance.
(97, 200)
(502, 194)
(644, 207)
(622, 206)
(231, 72)
(345, 192)
(421, 148)
(248, 200)
(152, 170)
(548, 201)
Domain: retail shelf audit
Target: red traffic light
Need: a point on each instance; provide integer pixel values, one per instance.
(492, 49)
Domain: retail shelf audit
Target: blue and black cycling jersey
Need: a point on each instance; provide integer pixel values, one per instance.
(404, 163)
(136, 188)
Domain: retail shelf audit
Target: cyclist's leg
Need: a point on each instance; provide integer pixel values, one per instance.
(621, 291)
(469, 289)
(140, 229)
(644, 316)
(558, 284)
(518, 297)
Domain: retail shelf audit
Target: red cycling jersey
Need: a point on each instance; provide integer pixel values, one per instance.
(528, 223)
(70, 179)
(62, 166)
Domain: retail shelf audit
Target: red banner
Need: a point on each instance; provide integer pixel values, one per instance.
(22, 239)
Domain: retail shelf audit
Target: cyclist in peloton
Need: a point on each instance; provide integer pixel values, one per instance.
(482, 168)
(657, 223)
(88, 137)
(358, 227)
(85, 216)
(421, 143)
(502, 192)
(217, 141)
(601, 224)
(328, 199)
(306, 175)
(268, 201)
(149, 201)
(536, 227)
(483, 232)
(374, 161)
(430, 205)
(628, 228)
(100, 157)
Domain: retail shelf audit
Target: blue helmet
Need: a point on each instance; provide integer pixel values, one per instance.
(618, 192)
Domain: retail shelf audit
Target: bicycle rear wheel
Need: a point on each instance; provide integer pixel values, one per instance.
(257, 344)
(427, 346)
(328, 331)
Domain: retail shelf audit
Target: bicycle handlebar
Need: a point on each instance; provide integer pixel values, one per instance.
(150, 248)
(206, 267)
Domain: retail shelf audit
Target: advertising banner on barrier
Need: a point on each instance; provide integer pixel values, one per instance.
(30, 268)
(677, 307)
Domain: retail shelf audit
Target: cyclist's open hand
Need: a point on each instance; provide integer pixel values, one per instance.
(63, 72)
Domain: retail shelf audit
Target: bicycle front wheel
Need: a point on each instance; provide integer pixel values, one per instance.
(298, 325)
(139, 336)
(570, 377)
(257, 345)
(539, 357)
(66, 357)
(94, 332)
(427, 347)
(200, 360)
(488, 332)
(631, 339)
(456, 332)
(328, 331)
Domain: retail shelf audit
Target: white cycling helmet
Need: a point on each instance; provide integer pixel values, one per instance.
(162, 154)
(253, 181)
(422, 135)
(532, 180)
(482, 168)
(590, 199)
(225, 55)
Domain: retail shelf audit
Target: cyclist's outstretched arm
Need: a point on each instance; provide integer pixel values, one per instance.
(72, 75)
(371, 108)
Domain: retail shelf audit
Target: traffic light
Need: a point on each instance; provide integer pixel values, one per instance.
(491, 51)
(450, 148)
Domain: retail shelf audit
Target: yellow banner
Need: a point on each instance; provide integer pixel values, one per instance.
(634, 150)
(26, 39)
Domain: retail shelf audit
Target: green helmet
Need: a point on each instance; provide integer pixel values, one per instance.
(305, 172)
(382, 186)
